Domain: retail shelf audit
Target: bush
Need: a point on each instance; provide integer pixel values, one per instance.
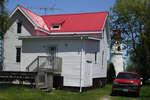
(111, 73)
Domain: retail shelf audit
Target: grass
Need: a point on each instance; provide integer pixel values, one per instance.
(8, 92)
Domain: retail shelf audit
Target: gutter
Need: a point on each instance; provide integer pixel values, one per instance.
(61, 37)
(81, 64)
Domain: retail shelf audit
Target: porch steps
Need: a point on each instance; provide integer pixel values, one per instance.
(45, 89)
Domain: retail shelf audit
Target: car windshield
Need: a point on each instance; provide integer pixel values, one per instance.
(127, 76)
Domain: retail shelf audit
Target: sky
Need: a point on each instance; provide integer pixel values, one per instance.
(62, 6)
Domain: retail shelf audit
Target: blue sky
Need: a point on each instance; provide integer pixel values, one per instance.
(64, 6)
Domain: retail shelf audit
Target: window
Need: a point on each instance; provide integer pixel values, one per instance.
(53, 51)
(95, 57)
(119, 48)
(19, 25)
(127, 76)
(55, 27)
(102, 58)
(18, 54)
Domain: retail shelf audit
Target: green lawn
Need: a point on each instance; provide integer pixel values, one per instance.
(21, 93)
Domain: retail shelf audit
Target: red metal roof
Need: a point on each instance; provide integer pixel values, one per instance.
(77, 22)
(35, 18)
(82, 22)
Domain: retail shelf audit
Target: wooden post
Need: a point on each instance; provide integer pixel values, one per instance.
(46, 81)
(38, 64)
(49, 81)
(37, 80)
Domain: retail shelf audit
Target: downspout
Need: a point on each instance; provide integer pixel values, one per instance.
(81, 60)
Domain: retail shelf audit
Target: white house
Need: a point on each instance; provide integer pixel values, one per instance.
(80, 40)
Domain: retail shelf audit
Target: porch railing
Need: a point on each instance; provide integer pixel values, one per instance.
(50, 63)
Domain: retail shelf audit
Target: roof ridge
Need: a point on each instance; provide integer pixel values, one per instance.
(75, 13)
(62, 14)
(28, 10)
(25, 10)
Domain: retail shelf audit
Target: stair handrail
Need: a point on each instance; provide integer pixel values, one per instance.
(28, 67)
(38, 63)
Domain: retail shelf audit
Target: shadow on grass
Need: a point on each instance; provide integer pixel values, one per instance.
(147, 83)
(145, 97)
(124, 94)
(5, 85)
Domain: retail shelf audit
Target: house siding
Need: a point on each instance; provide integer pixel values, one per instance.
(91, 46)
(99, 68)
(11, 41)
(103, 53)
(70, 54)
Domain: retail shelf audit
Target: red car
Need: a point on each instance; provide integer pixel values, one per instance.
(127, 82)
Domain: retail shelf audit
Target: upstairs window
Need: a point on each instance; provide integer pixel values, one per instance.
(55, 27)
(19, 26)
(18, 54)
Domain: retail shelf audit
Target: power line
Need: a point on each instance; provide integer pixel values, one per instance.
(45, 9)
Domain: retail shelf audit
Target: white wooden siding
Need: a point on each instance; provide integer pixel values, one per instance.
(103, 58)
(99, 68)
(71, 55)
(11, 42)
(91, 47)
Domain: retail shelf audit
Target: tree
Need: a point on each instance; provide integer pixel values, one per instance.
(132, 19)
(142, 60)
(4, 25)
(128, 17)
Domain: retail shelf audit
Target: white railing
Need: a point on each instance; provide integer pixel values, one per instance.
(45, 62)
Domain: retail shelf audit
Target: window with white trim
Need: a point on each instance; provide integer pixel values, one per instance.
(55, 27)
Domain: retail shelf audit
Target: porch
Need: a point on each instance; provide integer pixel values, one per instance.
(40, 73)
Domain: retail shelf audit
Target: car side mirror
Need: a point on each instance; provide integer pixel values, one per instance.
(141, 78)
(141, 81)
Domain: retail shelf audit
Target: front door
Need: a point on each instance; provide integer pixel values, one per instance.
(52, 51)
(52, 54)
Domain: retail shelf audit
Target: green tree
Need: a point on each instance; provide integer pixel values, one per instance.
(142, 58)
(4, 25)
(132, 19)
(128, 17)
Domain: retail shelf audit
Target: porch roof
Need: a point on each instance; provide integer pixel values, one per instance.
(90, 37)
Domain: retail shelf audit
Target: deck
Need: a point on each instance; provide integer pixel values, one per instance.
(10, 76)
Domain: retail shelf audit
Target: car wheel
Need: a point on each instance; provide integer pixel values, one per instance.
(113, 93)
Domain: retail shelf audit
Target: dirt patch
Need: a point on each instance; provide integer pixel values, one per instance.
(105, 98)
(3, 97)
